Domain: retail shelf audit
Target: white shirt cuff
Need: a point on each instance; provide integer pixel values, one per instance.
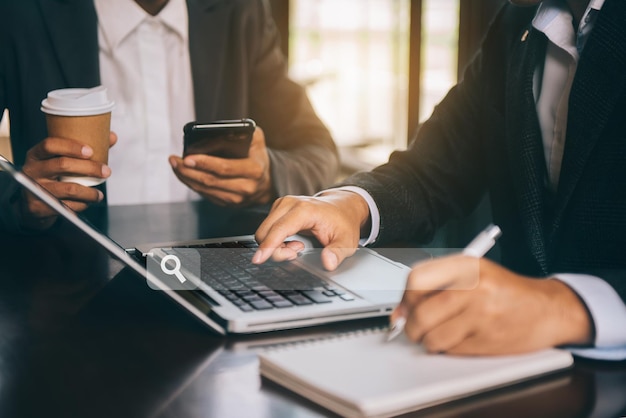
(608, 313)
(374, 214)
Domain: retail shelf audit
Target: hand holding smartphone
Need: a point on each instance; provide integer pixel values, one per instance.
(223, 138)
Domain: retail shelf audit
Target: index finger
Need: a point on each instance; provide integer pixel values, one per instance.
(445, 273)
(222, 167)
(457, 272)
(53, 147)
(274, 230)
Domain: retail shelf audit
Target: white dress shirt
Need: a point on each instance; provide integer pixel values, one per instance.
(552, 85)
(145, 65)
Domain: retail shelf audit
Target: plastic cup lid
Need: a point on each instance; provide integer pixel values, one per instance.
(77, 102)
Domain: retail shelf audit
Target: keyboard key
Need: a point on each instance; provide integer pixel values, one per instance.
(261, 305)
(316, 296)
(282, 304)
(214, 245)
(267, 293)
(276, 298)
(287, 292)
(245, 292)
(299, 300)
(231, 296)
(267, 286)
(347, 297)
(233, 244)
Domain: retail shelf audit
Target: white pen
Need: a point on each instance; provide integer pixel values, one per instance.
(479, 246)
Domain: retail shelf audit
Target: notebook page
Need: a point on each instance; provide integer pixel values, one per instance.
(363, 374)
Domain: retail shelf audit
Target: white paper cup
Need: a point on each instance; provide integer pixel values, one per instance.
(85, 116)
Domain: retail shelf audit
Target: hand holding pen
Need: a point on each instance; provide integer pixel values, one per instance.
(479, 246)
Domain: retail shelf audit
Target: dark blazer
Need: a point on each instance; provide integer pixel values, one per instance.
(237, 67)
(485, 136)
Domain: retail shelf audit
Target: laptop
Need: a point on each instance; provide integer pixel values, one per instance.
(215, 281)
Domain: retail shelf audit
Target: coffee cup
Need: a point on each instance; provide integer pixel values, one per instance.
(85, 116)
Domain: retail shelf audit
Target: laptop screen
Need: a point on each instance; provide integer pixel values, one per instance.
(78, 233)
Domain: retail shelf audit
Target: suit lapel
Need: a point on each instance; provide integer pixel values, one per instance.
(524, 141)
(73, 30)
(206, 50)
(598, 84)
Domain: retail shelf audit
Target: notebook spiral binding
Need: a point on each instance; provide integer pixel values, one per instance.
(312, 341)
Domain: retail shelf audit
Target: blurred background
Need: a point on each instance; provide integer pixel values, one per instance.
(374, 69)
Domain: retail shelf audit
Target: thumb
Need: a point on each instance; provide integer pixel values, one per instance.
(334, 254)
(258, 139)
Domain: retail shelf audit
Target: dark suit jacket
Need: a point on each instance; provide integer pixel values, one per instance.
(237, 66)
(485, 136)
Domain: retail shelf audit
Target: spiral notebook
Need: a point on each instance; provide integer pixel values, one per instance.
(360, 374)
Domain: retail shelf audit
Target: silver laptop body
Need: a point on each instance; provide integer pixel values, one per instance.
(365, 285)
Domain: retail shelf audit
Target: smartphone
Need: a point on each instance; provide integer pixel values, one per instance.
(222, 138)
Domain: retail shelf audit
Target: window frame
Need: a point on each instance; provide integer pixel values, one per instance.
(474, 18)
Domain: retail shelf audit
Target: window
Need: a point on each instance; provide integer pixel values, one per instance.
(440, 28)
(353, 56)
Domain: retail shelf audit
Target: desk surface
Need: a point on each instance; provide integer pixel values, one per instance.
(77, 338)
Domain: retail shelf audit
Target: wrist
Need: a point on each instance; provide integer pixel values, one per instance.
(351, 203)
(361, 210)
(267, 195)
(27, 220)
(573, 324)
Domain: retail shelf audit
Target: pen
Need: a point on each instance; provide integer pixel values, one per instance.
(478, 247)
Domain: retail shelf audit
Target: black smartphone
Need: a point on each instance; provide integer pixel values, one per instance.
(221, 138)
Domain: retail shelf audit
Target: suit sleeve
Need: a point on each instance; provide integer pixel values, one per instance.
(441, 175)
(302, 153)
(8, 188)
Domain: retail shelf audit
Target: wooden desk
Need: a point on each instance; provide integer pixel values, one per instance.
(80, 339)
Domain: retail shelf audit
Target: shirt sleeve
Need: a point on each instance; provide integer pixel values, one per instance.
(608, 313)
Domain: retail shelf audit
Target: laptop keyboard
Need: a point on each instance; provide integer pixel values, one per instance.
(226, 267)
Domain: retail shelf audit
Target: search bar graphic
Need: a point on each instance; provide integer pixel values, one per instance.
(172, 271)
(176, 268)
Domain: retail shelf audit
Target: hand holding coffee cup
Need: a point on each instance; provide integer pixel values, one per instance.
(73, 156)
(83, 115)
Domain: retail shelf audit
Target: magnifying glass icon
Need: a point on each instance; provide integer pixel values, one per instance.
(174, 271)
